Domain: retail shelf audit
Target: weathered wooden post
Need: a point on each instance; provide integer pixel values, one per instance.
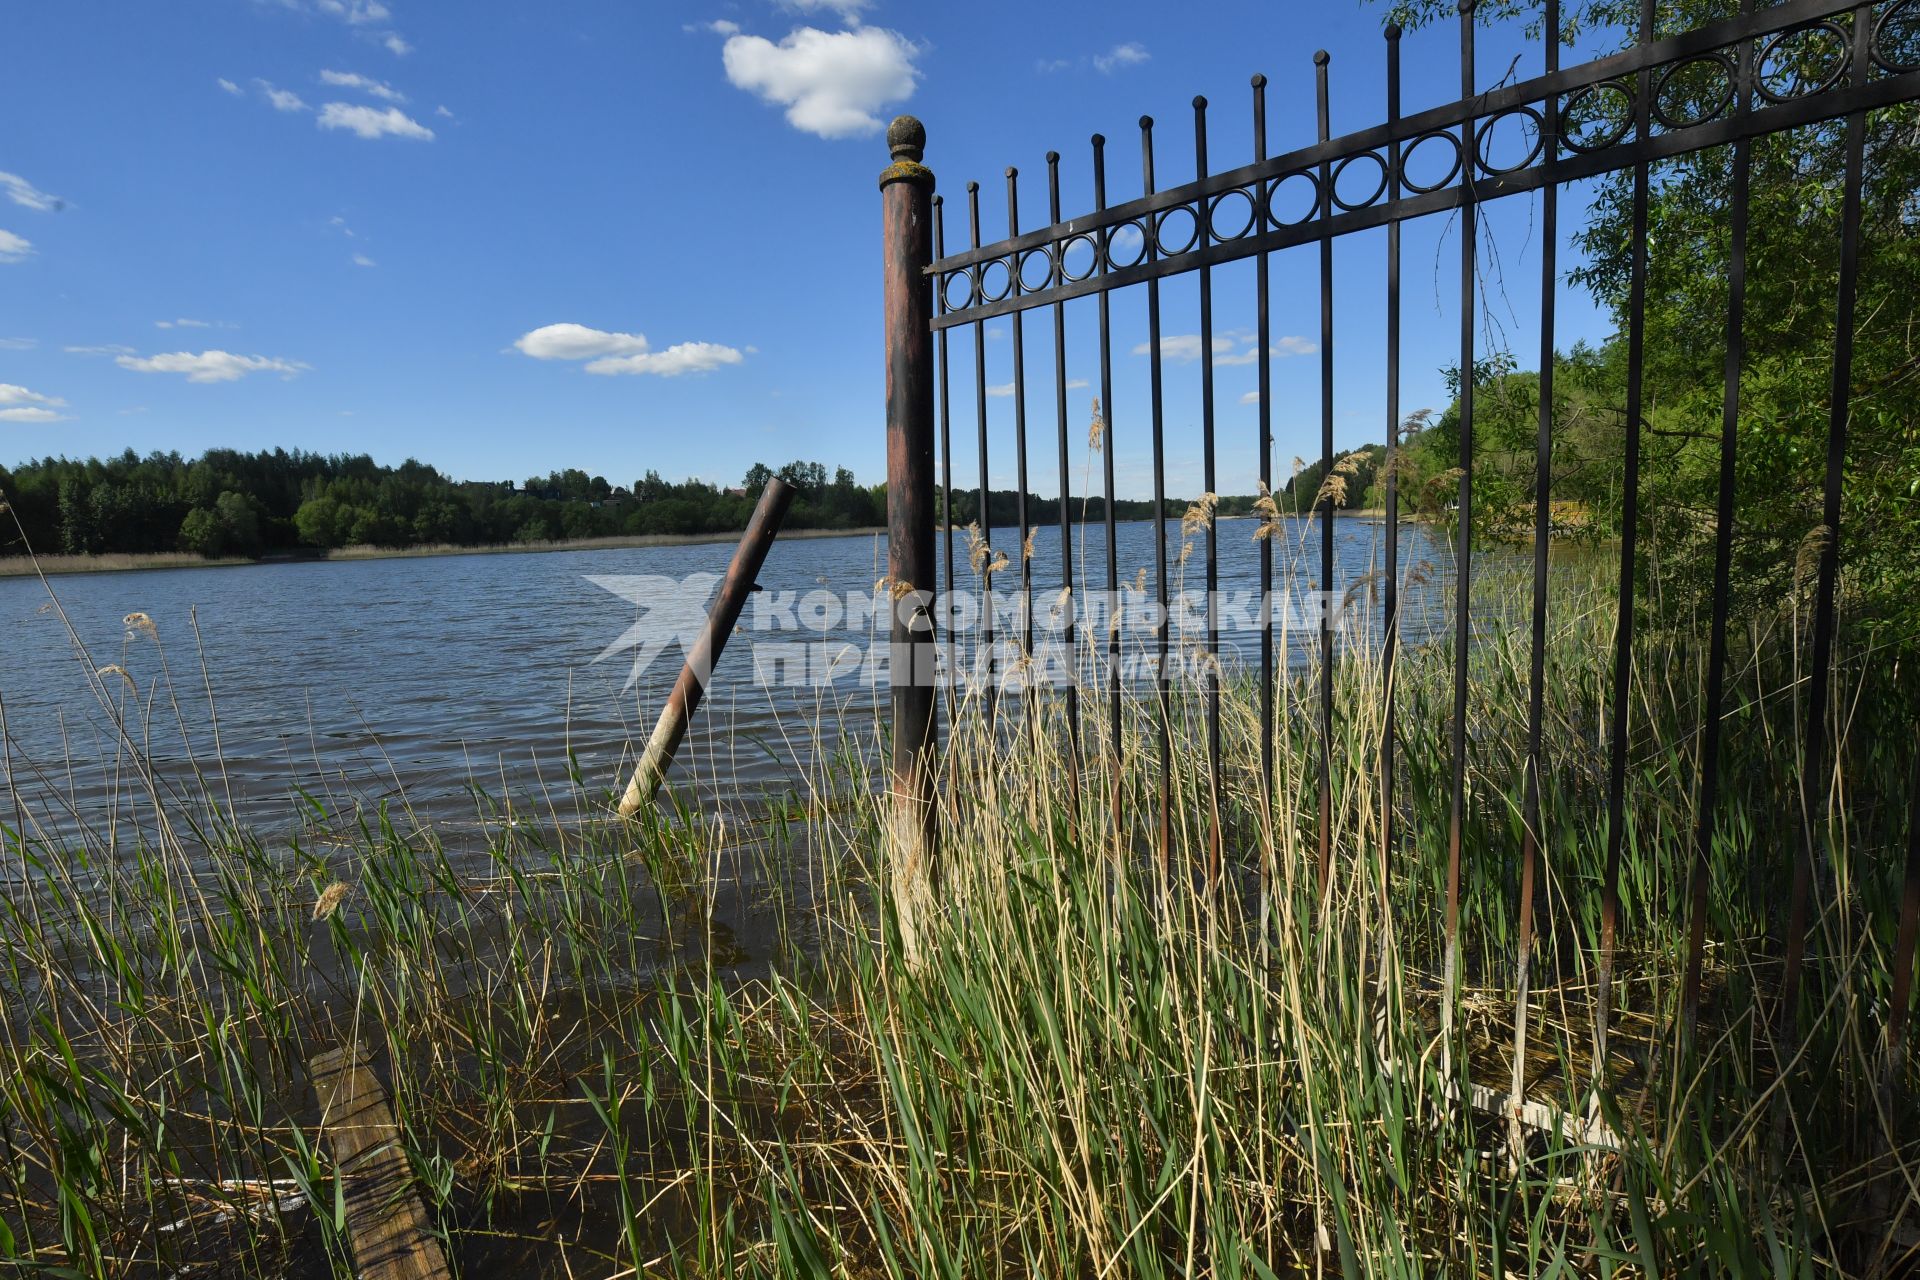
(906, 195)
(739, 583)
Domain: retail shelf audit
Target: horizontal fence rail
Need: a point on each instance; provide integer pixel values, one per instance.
(1228, 216)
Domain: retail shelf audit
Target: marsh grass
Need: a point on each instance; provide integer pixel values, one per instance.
(1102, 1062)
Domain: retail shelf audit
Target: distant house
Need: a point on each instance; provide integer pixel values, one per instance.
(736, 493)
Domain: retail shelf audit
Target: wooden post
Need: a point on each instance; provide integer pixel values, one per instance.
(692, 684)
(906, 193)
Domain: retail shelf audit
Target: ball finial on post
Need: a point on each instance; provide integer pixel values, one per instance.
(907, 142)
(907, 138)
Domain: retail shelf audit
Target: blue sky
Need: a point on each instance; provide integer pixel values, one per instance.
(353, 225)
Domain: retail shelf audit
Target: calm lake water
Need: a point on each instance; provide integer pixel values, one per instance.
(370, 680)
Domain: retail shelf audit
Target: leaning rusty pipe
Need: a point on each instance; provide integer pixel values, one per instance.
(692, 684)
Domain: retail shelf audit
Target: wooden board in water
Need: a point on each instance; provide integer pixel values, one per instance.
(392, 1239)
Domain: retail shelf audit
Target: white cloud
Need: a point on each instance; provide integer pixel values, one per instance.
(17, 404)
(184, 323)
(12, 395)
(210, 366)
(228, 85)
(1282, 347)
(28, 196)
(371, 122)
(442, 112)
(831, 83)
(14, 248)
(616, 353)
(681, 357)
(366, 84)
(849, 10)
(1005, 389)
(719, 27)
(18, 344)
(355, 12)
(337, 221)
(363, 16)
(1184, 348)
(578, 342)
(362, 260)
(1052, 64)
(282, 99)
(1130, 54)
(111, 349)
(1251, 397)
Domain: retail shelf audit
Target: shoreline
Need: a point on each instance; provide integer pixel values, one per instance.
(62, 566)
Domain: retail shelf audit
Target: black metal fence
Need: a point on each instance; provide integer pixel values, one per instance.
(1727, 84)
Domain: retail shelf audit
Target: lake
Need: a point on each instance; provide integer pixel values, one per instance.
(358, 681)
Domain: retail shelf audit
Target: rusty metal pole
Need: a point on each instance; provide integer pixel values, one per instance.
(906, 194)
(692, 684)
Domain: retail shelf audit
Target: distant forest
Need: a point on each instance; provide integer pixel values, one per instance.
(233, 504)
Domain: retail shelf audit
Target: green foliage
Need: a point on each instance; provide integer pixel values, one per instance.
(228, 528)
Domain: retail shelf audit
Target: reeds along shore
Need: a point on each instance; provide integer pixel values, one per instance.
(1102, 1063)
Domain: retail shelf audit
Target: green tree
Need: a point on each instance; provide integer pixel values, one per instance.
(201, 534)
(323, 522)
(239, 524)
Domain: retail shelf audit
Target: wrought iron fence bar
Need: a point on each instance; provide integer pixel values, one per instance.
(1618, 723)
(1324, 499)
(1652, 56)
(1463, 566)
(983, 659)
(1390, 600)
(1020, 446)
(1815, 783)
(1162, 688)
(1263, 336)
(1070, 600)
(946, 481)
(1211, 676)
(1530, 834)
(1113, 538)
(1707, 818)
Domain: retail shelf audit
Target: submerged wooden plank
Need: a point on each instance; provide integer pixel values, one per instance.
(392, 1238)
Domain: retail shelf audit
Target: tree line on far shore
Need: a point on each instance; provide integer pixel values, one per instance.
(233, 504)
(228, 503)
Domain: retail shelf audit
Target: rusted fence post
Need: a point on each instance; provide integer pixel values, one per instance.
(906, 195)
(765, 523)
